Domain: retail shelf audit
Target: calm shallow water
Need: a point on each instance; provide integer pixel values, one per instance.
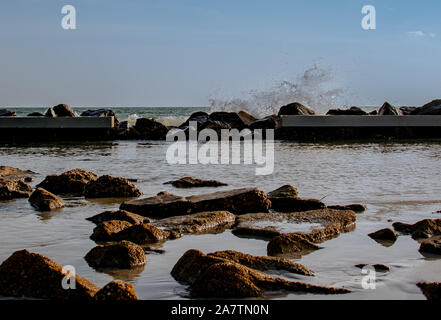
(398, 182)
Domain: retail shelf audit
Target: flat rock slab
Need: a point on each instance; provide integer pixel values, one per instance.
(198, 223)
(239, 201)
(121, 215)
(111, 187)
(191, 182)
(6, 171)
(206, 274)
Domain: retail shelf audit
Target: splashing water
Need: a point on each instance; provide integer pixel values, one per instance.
(315, 88)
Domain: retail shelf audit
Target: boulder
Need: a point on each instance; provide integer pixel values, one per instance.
(148, 129)
(431, 108)
(238, 201)
(100, 113)
(50, 113)
(386, 234)
(70, 183)
(108, 187)
(121, 255)
(116, 291)
(356, 111)
(269, 122)
(142, 234)
(203, 222)
(388, 110)
(6, 171)
(431, 290)
(107, 230)
(206, 274)
(246, 117)
(14, 189)
(7, 113)
(263, 263)
(358, 208)
(295, 109)
(43, 200)
(33, 275)
(35, 114)
(406, 111)
(121, 215)
(432, 246)
(286, 191)
(217, 126)
(191, 182)
(232, 119)
(199, 117)
(378, 267)
(422, 229)
(285, 199)
(63, 110)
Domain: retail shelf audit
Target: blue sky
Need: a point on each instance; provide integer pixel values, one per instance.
(182, 53)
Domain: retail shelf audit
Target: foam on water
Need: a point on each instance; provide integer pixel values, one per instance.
(316, 88)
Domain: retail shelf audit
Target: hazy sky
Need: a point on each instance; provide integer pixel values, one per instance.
(182, 53)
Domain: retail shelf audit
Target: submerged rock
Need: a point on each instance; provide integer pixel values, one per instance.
(207, 274)
(122, 255)
(378, 267)
(431, 290)
(238, 201)
(291, 244)
(203, 222)
(116, 291)
(107, 187)
(384, 235)
(33, 275)
(358, 208)
(72, 182)
(422, 229)
(43, 200)
(63, 110)
(295, 109)
(356, 111)
(14, 189)
(121, 215)
(432, 246)
(191, 182)
(7, 113)
(107, 230)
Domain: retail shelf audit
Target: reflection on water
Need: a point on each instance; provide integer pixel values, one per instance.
(397, 181)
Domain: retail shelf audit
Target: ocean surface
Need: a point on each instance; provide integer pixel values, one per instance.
(398, 181)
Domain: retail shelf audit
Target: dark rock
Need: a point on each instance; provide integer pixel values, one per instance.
(269, 122)
(373, 113)
(206, 274)
(142, 234)
(14, 189)
(263, 263)
(148, 129)
(35, 114)
(63, 110)
(384, 235)
(295, 109)
(358, 208)
(431, 108)
(33, 275)
(290, 204)
(292, 244)
(431, 246)
(7, 113)
(356, 111)
(116, 291)
(405, 111)
(388, 110)
(119, 215)
(70, 183)
(122, 255)
(6, 171)
(238, 201)
(43, 200)
(246, 117)
(107, 187)
(100, 113)
(422, 229)
(432, 291)
(191, 182)
(217, 126)
(378, 267)
(199, 117)
(203, 222)
(50, 113)
(232, 119)
(404, 228)
(107, 230)
(286, 191)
